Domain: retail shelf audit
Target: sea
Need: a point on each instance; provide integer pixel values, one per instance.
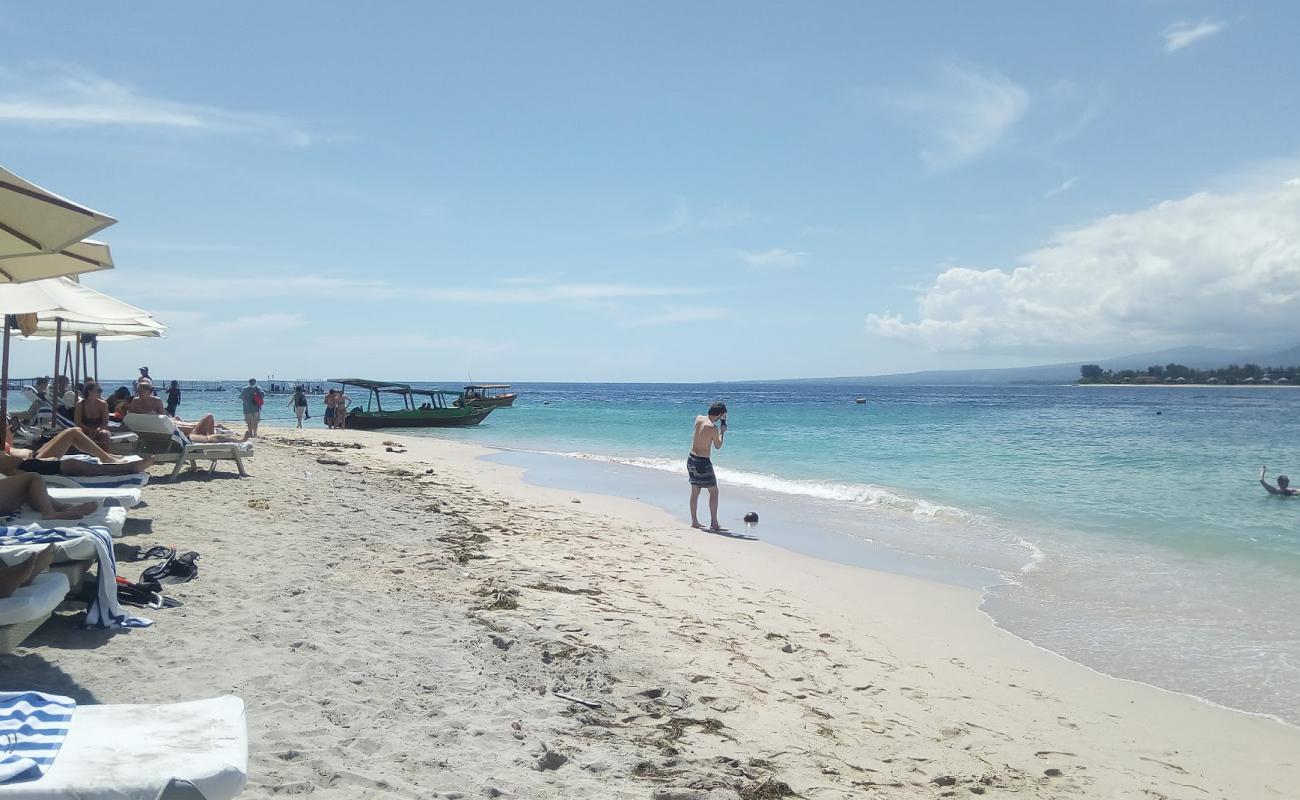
(1122, 528)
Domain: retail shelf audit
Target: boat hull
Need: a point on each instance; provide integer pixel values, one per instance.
(504, 401)
(421, 418)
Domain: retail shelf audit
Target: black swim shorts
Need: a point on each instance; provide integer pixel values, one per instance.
(700, 471)
(41, 466)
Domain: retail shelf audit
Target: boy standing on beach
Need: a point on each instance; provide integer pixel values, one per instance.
(709, 432)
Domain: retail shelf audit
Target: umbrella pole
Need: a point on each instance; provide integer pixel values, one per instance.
(4, 379)
(75, 346)
(58, 343)
(94, 347)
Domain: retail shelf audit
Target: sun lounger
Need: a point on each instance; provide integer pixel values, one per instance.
(133, 752)
(72, 558)
(27, 609)
(66, 490)
(159, 436)
(132, 480)
(112, 518)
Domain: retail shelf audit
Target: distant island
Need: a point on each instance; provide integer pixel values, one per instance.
(1179, 374)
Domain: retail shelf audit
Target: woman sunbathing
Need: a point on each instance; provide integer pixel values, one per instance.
(26, 487)
(58, 447)
(72, 468)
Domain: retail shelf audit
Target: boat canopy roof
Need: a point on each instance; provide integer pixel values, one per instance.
(373, 386)
(488, 386)
(433, 392)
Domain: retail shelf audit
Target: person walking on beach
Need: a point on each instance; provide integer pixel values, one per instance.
(144, 376)
(252, 398)
(299, 403)
(173, 398)
(710, 430)
(1283, 488)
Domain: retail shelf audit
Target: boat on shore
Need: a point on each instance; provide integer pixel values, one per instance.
(487, 395)
(408, 407)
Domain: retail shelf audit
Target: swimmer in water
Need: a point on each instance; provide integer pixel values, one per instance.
(1283, 488)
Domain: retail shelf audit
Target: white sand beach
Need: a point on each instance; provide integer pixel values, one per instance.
(426, 624)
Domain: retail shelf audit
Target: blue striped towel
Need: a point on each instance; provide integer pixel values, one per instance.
(32, 728)
(104, 612)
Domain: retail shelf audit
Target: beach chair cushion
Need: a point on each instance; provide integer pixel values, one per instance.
(131, 752)
(113, 518)
(72, 550)
(35, 601)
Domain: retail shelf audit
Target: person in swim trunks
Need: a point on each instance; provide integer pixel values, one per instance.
(709, 432)
(1283, 488)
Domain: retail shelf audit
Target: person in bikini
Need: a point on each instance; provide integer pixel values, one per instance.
(710, 430)
(91, 415)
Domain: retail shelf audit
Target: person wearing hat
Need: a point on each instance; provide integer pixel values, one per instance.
(252, 398)
(144, 376)
(1283, 488)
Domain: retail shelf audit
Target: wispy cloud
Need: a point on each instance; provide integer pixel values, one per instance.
(671, 316)
(369, 343)
(552, 293)
(775, 258)
(684, 218)
(56, 94)
(254, 325)
(142, 285)
(1062, 189)
(1187, 33)
(964, 114)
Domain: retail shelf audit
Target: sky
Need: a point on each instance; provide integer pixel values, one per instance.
(667, 191)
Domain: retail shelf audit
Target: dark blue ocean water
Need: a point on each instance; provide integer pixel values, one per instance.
(1128, 523)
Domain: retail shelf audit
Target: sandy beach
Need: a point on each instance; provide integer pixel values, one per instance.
(426, 624)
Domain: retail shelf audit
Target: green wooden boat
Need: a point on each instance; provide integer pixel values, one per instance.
(408, 407)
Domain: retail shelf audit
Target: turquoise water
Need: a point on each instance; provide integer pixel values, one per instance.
(1127, 525)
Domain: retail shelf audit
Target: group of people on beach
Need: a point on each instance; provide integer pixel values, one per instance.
(336, 407)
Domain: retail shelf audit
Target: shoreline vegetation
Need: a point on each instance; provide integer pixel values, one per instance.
(414, 621)
(1181, 375)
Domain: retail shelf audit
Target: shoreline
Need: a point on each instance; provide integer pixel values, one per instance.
(427, 623)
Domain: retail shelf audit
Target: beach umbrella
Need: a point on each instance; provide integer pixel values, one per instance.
(55, 301)
(36, 220)
(75, 259)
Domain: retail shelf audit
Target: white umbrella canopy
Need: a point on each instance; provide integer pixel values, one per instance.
(36, 220)
(75, 259)
(145, 328)
(63, 298)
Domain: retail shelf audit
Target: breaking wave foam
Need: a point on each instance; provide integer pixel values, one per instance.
(857, 493)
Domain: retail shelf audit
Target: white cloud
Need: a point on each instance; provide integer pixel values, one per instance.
(1062, 189)
(1213, 268)
(777, 257)
(52, 94)
(671, 316)
(1187, 33)
(370, 343)
(966, 113)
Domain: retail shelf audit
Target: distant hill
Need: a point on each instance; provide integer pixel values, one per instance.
(1198, 357)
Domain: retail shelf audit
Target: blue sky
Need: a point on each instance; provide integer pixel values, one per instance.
(658, 191)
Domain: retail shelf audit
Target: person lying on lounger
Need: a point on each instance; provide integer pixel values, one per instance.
(72, 468)
(26, 487)
(58, 447)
